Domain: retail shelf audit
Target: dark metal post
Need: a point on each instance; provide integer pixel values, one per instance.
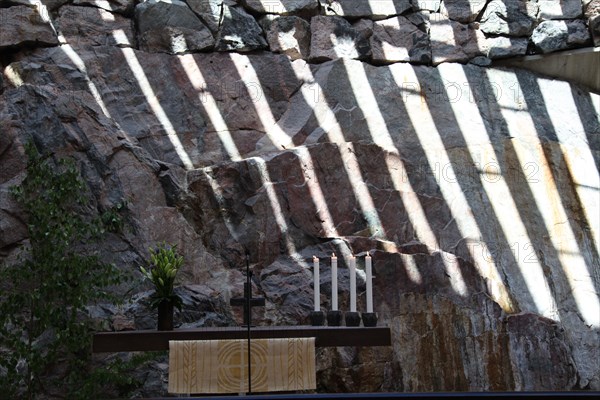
(248, 318)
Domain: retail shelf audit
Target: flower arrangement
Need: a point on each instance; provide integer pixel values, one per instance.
(165, 262)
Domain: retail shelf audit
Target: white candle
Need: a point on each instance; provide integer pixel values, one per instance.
(352, 268)
(368, 267)
(317, 282)
(334, 289)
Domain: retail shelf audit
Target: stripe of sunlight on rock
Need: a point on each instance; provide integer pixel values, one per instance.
(105, 5)
(73, 56)
(274, 6)
(200, 84)
(547, 197)
(426, 131)
(275, 133)
(390, 7)
(309, 174)
(278, 138)
(312, 94)
(588, 183)
(314, 188)
(381, 136)
(277, 212)
(154, 103)
(500, 197)
(550, 205)
(316, 194)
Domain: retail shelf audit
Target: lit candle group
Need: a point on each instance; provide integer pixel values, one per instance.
(334, 283)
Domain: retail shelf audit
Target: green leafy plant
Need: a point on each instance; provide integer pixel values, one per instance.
(45, 324)
(112, 219)
(165, 262)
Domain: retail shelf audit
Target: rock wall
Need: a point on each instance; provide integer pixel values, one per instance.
(301, 128)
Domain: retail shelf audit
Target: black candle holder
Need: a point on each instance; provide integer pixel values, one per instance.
(334, 318)
(369, 319)
(317, 318)
(352, 318)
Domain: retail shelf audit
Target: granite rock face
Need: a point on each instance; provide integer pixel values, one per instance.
(592, 13)
(375, 9)
(398, 39)
(560, 9)
(239, 31)
(209, 11)
(511, 18)
(334, 37)
(282, 7)
(463, 30)
(464, 11)
(472, 188)
(124, 7)
(170, 27)
(452, 41)
(94, 27)
(426, 5)
(552, 36)
(288, 35)
(23, 25)
(503, 47)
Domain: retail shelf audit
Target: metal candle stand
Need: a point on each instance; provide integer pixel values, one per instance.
(369, 319)
(317, 318)
(352, 318)
(334, 318)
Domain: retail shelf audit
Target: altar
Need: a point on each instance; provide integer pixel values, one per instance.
(325, 336)
(222, 360)
(196, 355)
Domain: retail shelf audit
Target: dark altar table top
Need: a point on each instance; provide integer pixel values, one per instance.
(325, 336)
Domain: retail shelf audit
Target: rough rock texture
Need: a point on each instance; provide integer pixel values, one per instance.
(288, 35)
(281, 6)
(50, 4)
(23, 25)
(502, 47)
(452, 41)
(560, 9)
(464, 11)
(472, 188)
(427, 5)
(375, 9)
(124, 7)
(551, 36)
(181, 26)
(591, 8)
(397, 39)
(94, 27)
(209, 11)
(239, 31)
(170, 27)
(512, 18)
(592, 13)
(334, 37)
(595, 29)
